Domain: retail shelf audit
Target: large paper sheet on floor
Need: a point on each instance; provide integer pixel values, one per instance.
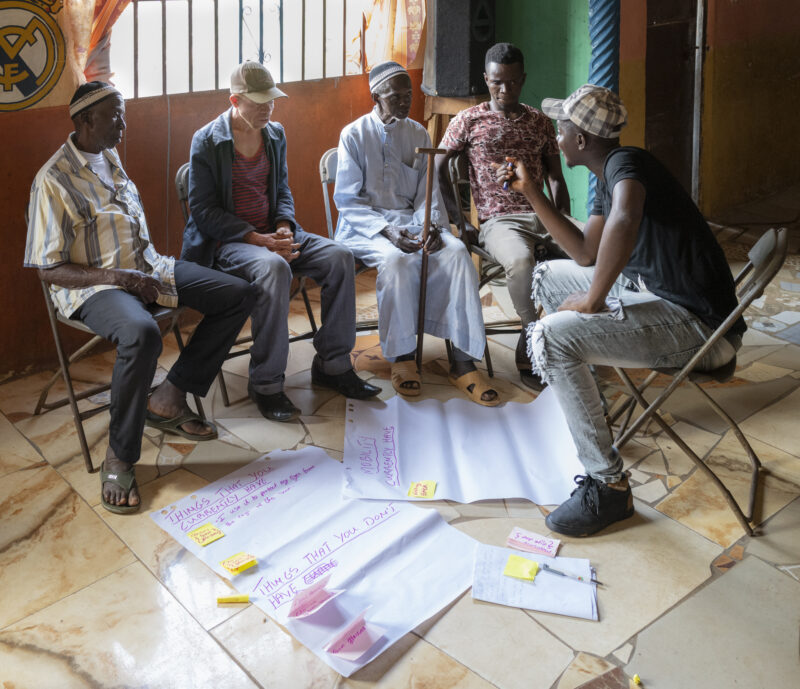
(547, 592)
(398, 563)
(471, 452)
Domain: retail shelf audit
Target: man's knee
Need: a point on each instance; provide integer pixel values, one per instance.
(520, 267)
(141, 337)
(340, 263)
(271, 276)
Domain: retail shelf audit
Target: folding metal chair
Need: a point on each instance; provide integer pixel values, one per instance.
(161, 314)
(182, 188)
(765, 260)
(490, 269)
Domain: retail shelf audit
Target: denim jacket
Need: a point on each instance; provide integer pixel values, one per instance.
(212, 221)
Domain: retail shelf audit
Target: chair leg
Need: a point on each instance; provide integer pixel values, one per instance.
(73, 403)
(701, 465)
(755, 462)
(309, 310)
(79, 353)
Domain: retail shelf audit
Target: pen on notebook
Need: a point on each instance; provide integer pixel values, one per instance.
(548, 568)
(505, 184)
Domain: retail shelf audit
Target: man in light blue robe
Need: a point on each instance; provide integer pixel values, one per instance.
(380, 195)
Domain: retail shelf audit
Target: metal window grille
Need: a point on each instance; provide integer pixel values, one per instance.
(179, 46)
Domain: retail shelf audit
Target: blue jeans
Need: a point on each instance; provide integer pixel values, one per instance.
(645, 332)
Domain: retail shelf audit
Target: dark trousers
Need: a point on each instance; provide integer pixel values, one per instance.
(225, 302)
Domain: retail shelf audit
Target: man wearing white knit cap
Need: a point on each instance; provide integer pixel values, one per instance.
(380, 195)
(88, 237)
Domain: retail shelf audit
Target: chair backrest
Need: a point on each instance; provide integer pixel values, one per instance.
(327, 175)
(182, 187)
(458, 172)
(764, 261)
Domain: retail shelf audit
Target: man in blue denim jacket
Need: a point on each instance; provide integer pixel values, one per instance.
(242, 222)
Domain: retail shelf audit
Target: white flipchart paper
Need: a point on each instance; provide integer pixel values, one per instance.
(472, 452)
(546, 593)
(400, 563)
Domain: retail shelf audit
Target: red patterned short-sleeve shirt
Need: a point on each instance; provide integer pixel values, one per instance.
(488, 137)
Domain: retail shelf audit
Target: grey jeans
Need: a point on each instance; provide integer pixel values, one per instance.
(331, 266)
(645, 332)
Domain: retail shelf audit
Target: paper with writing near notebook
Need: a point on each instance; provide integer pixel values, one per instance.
(347, 578)
(466, 451)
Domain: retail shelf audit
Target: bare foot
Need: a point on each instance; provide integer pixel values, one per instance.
(169, 401)
(461, 368)
(112, 493)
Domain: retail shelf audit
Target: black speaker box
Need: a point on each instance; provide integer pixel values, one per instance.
(458, 36)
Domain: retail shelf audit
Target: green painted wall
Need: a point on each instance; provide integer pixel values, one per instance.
(554, 37)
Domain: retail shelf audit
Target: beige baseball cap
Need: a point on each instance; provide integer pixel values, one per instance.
(253, 80)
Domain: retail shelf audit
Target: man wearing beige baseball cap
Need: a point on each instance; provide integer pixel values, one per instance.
(242, 222)
(647, 285)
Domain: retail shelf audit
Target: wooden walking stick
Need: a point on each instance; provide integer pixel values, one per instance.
(423, 282)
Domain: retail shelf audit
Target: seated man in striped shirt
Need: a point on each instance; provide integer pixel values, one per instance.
(242, 222)
(88, 237)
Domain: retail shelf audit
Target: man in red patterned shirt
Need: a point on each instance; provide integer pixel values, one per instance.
(510, 230)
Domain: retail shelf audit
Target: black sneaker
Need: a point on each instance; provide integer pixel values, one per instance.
(592, 506)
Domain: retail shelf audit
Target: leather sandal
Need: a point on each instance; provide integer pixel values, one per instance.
(406, 372)
(479, 386)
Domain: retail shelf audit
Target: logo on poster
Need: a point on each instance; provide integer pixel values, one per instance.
(32, 52)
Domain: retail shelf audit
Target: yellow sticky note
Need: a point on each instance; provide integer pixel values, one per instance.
(236, 564)
(422, 489)
(521, 568)
(233, 599)
(205, 534)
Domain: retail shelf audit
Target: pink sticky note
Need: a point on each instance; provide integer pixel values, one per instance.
(355, 639)
(308, 601)
(531, 542)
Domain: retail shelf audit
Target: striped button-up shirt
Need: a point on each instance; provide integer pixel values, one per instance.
(73, 217)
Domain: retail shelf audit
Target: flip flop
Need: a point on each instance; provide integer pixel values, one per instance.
(480, 386)
(125, 480)
(406, 372)
(173, 425)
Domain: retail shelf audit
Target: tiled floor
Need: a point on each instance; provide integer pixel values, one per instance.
(92, 599)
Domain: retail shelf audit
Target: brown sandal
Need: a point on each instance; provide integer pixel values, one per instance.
(406, 372)
(479, 386)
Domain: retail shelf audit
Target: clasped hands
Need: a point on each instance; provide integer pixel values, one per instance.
(280, 242)
(408, 242)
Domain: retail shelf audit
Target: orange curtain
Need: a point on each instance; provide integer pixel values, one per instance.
(106, 12)
(387, 30)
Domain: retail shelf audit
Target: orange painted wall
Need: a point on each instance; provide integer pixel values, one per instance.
(156, 144)
(632, 53)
